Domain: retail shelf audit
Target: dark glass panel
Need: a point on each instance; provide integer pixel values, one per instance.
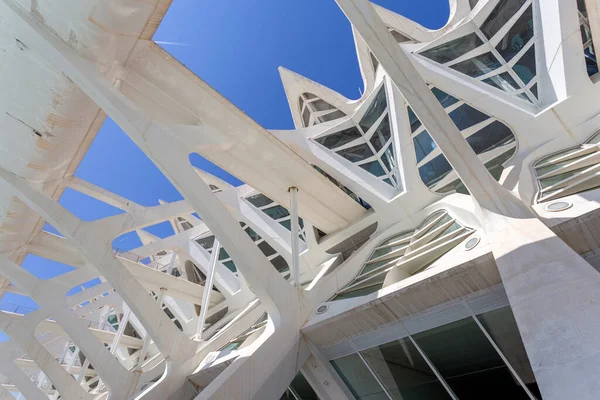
(306, 117)
(276, 212)
(534, 90)
(500, 324)
(503, 81)
(388, 159)
(435, 170)
(499, 16)
(359, 292)
(280, 264)
(424, 145)
(266, 249)
(302, 388)
(415, 123)
(230, 265)
(338, 139)
(356, 153)
(453, 49)
(343, 188)
(444, 98)
(518, 36)
(374, 111)
(494, 135)
(466, 116)
(287, 224)
(404, 372)
(223, 255)
(469, 363)
(374, 167)
(259, 200)
(477, 66)
(358, 378)
(525, 67)
(330, 117)
(206, 242)
(253, 235)
(321, 105)
(381, 135)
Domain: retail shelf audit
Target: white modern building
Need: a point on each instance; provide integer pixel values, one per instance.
(438, 238)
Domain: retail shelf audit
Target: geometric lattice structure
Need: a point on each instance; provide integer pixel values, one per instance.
(436, 238)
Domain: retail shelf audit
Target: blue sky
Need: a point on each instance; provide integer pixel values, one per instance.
(236, 47)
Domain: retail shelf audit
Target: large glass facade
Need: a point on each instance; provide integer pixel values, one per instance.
(481, 131)
(369, 144)
(479, 357)
(591, 60)
(299, 389)
(505, 62)
(406, 250)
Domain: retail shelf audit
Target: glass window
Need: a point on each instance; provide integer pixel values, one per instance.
(373, 167)
(534, 90)
(206, 242)
(453, 49)
(444, 98)
(223, 255)
(230, 265)
(478, 66)
(276, 212)
(415, 123)
(424, 145)
(330, 117)
(466, 116)
(500, 15)
(518, 36)
(525, 67)
(266, 249)
(356, 153)
(493, 135)
(500, 324)
(259, 200)
(404, 372)
(434, 170)
(503, 81)
(381, 135)
(306, 117)
(358, 378)
(253, 235)
(338, 139)
(374, 111)
(301, 390)
(321, 105)
(388, 159)
(468, 362)
(280, 264)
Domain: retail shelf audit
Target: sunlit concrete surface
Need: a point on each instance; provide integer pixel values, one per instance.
(438, 238)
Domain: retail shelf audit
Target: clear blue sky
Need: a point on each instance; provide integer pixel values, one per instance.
(235, 46)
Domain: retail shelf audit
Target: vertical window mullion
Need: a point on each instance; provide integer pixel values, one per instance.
(495, 346)
(434, 369)
(374, 375)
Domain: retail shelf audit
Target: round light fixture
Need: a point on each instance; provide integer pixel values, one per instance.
(558, 206)
(322, 309)
(471, 243)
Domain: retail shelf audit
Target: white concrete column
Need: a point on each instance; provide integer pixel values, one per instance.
(21, 381)
(294, 231)
(119, 334)
(552, 290)
(561, 64)
(208, 284)
(146, 343)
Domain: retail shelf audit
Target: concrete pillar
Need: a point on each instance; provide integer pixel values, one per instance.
(553, 292)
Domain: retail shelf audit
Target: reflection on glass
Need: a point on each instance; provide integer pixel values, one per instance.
(494, 135)
(453, 49)
(415, 123)
(478, 66)
(335, 140)
(373, 167)
(374, 111)
(299, 389)
(381, 135)
(424, 145)
(469, 363)
(434, 170)
(356, 153)
(525, 67)
(499, 16)
(444, 98)
(500, 324)
(503, 81)
(358, 378)
(466, 116)
(404, 372)
(518, 36)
